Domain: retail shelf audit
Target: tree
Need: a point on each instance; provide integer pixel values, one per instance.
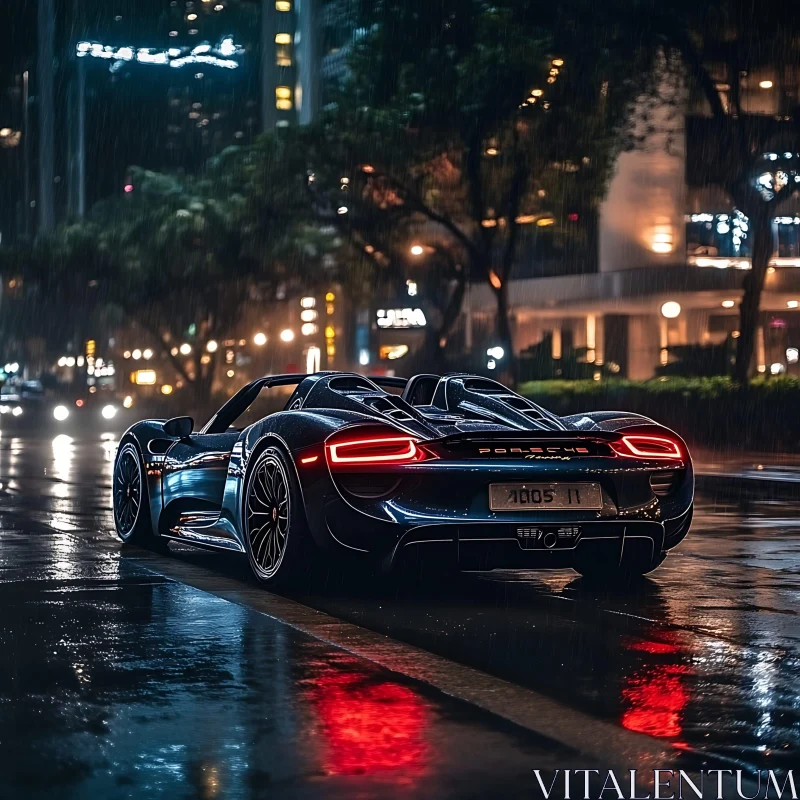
(750, 153)
(179, 256)
(478, 119)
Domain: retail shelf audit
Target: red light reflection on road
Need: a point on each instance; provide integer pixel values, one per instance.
(655, 648)
(370, 726)
(657, 699)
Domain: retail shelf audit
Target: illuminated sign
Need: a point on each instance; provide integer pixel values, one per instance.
(401, 318)
(215, 56)
(144, 377)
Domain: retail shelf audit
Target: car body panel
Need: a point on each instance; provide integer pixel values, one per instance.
(475, 433)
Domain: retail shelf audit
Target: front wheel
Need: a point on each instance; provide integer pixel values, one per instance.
(132, 500)
(279, 545)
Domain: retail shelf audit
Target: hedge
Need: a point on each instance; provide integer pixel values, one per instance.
(714, 412)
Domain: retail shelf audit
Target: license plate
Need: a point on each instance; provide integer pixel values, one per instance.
(545, 496)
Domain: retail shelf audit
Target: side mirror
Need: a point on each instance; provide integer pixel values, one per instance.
(179, 427)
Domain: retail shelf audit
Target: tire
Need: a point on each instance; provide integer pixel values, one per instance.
(279, 545)
(628, 571)
(132, 500)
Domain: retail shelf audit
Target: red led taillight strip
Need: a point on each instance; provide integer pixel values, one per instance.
(387, 450)
(636, 446)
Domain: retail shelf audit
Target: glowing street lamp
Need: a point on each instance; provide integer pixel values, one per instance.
(212, 346)
(287, 335)
(417, 250)
(185, 349)
(260, 339)
(671, 310)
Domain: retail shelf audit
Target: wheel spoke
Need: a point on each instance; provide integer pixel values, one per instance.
(265, 484)
(264, 544)
(260, 491)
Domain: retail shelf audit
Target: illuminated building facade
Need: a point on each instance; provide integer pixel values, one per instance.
(672, 257)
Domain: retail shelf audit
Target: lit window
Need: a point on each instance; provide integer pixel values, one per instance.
(283, 98)
(283, 55)
(283, 5)
(283, 38)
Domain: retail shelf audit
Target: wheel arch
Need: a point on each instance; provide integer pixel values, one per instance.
(269, 439)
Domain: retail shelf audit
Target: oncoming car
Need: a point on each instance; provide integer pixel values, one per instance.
(102, 410)
(380, 469)
(30, 407)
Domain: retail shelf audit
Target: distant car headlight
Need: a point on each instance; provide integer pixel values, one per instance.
(4, 409)
(109, 412)
(60, 413)
(17, 411)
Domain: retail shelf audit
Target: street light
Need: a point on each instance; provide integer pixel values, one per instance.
(671, 310)
(260, 339)
(417, 250)
(212, 346)
(287, 335)
(185, 349)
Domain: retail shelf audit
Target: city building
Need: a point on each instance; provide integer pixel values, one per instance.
(672, 258)
(161, 84)
(305, 45)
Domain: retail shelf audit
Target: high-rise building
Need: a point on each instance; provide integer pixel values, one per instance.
(305, 44)
(165, 84)
(16, 142)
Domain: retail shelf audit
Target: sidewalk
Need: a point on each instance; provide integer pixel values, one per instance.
(776, 475)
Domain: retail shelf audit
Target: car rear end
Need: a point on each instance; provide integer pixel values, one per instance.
(509, 499)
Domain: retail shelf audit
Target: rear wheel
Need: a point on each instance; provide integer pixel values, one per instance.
(132, 500)
(279, 546)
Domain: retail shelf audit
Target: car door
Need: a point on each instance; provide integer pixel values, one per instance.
(195, 470)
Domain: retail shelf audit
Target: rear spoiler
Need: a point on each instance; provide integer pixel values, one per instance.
(494, 436)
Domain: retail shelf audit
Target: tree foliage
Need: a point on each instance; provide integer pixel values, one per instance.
(180, 256)
(468, 121)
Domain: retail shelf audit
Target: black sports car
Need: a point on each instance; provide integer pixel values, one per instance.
(385, 468)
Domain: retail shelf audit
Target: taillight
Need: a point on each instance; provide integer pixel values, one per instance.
(383, 450)
(646, 446)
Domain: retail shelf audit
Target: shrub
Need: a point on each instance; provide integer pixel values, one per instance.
(713, 412)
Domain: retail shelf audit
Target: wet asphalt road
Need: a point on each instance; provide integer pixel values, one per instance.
(120, 680)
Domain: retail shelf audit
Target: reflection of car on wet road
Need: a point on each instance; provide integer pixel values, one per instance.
(458, 466)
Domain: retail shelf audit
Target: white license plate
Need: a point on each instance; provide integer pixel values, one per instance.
(545, 496)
